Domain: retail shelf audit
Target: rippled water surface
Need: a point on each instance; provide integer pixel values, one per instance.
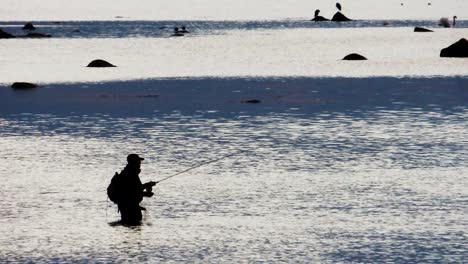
(340, 162)
(318, 52)
(332, 170)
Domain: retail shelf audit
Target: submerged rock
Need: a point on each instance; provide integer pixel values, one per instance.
(100, 64)
(339, 17)
(29, 26)
(252, 101)
(23, 85)
(457, 50)
(420, 29)
(5, 35)
(354, 56)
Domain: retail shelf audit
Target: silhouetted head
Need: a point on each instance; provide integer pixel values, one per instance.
(183, 28)
(176, 29)
(338, 5)
(317, 12)
(134, 160)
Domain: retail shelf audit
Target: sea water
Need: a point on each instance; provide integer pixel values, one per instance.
(340, 161)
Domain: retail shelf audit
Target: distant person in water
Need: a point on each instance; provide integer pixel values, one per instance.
(177, 32)
(183, 30)
(131, 191)
(317, 17)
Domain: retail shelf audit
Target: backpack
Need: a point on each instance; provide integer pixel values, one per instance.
(114, 189)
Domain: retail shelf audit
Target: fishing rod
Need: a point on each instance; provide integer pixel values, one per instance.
(199, 165)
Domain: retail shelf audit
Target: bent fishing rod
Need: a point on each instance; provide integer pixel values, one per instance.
(199, 165)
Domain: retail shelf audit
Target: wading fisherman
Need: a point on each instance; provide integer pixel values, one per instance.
(127, 191)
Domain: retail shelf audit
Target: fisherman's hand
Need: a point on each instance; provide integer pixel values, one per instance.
(150, 184)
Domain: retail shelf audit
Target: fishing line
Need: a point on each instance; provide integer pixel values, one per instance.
(201, 164)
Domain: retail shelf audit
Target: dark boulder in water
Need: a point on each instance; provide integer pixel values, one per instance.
(354, 56)
(339, 17)
(456, 50)
(36, 35)
(252, 101)
(100, 64)
(5, 35)
(23, 85)
(29, 26)
(420, 29)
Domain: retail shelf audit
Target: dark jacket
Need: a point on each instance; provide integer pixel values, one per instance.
(132, 188)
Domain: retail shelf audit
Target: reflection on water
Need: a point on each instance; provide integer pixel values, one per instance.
(232, 52)
(334, 170)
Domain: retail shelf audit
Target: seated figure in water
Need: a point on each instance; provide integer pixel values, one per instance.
(132, 191)
(319, 18)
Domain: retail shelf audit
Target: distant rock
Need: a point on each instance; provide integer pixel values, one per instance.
(420, 29)
(36, 35)
(100, 64)
(23, 85)
(5, 35)
(339, 17)
(386, 23)
(457, 50)
(354, 56)
(252, 101)
(29, 26)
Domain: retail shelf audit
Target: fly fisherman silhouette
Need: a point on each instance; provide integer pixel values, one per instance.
(127, 191)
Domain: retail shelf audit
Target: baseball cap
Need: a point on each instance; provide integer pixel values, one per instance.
(133, 157)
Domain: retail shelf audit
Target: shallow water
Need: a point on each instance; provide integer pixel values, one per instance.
(163, 29)
(310, 52)
(341, 162)
(334, 170)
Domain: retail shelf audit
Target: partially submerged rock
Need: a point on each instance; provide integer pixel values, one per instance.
(23, 85)
(36, 35)
(100, 64)
(5, 35)
(251, 101)
(354, 56)
(420, 29)
(457, 50)
(339, 17)
(29, 26)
